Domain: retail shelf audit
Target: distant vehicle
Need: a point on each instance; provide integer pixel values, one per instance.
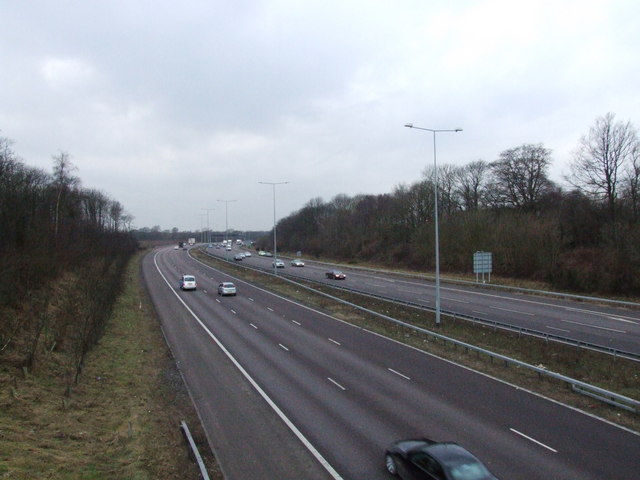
(227, 288)
(268, 254)
(228, 249)
(247, 254)
(238, 242)
(278, 264)
(238, 257)
(336, 275)
(425, 459)
(180, 244)
(192, 241)
(176, 247)
(296, 262)
(211, 245)
(262, 253)
(188, 282)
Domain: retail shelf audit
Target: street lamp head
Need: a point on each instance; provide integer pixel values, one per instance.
(408, 125)
(458, 129)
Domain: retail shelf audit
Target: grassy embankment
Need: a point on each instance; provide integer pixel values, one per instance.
(617, 375)
(121, 421)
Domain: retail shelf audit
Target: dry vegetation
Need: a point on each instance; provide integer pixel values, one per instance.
(120, 420)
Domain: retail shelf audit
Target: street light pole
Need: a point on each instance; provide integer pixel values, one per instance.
(437, 235)
(208, 229)
(275, 248)
(226, 222)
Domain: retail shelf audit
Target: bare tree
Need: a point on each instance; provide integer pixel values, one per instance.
(631, 184)
(63, 179)
(472, 182)
(520, 176)
(600, 158)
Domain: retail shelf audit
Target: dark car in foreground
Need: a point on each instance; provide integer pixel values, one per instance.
(429, 460)
(336, 275)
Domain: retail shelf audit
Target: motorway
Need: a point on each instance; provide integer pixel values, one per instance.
(286, 392)
(608, 326)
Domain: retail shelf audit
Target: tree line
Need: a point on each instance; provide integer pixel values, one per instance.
(63, 250)
(584, 238)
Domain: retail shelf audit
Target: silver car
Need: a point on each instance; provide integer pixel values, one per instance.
(227, 288)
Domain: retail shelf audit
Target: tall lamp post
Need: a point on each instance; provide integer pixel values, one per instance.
(208, 240)
(275, 248)
(226, 220)
(435, 174)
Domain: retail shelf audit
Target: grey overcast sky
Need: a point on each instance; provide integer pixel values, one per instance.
(169, 107)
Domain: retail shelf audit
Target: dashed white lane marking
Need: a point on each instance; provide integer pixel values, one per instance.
(559, 329)
(283, 347)
(334, 341)
(398, 373)
(594, 326)
(336, 383)
(297, 323)
(513, 311)
(533, 440)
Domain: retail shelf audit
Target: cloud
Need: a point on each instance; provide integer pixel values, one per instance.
(168, 107)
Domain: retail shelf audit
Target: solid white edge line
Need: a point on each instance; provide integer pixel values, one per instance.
(533, 440)
(318, 456)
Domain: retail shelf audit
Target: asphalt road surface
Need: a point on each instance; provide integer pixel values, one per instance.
(285, 392)
(604, 325)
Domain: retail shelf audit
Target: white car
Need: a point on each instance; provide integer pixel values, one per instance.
(227, 288)
(247, 254)
(297, 263)
(188, 282)
(278, 264)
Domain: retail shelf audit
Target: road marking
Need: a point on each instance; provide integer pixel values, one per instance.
(374, 284)
(513, 311)
(618, 319)
(234, 312)
(251, 299)
(218, 300)
(296, 431)
(479, 312)
(454, 300)
(283, 347)
(398, 373)
(560, 329)
(253, 326)
(594, 326)
(336, 383)
(333, 341)
(533, 440)
(390, 280)
(270, 309)
(297, 323)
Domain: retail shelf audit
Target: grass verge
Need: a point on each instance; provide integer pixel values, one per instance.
(615, 374)
(122, 418)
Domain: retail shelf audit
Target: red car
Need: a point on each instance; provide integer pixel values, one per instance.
(336, 275)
